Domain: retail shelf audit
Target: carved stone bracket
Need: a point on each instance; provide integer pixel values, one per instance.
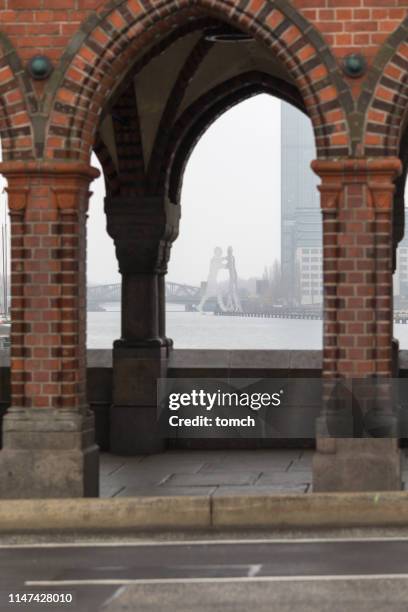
(71, 200)
(382, 194)
(17, 200)
(330, 196)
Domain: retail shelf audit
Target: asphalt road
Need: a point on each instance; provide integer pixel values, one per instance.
(228, 575)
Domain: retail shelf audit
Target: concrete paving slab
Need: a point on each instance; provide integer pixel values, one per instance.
(284, 469)
(259, 459)
(304, 463)
(297, 467)
(247, 466)
(305, 475)
(106, 472)
(163, 468)
(205, 479)
(231, 467)
(187, 455)
(128, 475)
(110, 491)
(107, 468)
(165, 491)
(264, 454)
(138, 480)
(261, 490)
(284, 479)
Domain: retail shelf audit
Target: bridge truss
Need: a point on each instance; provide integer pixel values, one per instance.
(176, 293)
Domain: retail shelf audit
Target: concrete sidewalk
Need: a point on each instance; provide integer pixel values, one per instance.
(259, 472)
(207, 491)
(228, 472)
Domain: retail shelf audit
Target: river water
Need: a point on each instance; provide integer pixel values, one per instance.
(194, 330)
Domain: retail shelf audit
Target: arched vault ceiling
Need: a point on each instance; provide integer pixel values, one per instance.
(225, 61)
(173, 80)
(153, 85)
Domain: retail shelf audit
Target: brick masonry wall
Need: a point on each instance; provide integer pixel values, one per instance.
(354, 24)
(106, 44)
(91, 44)
(34, 25)
(83, 39)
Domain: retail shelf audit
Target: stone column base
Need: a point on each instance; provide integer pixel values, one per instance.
(48, 454)
(362, 464)
(134, 426)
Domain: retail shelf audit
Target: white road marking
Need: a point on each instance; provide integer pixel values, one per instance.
(254, 571)
(115, 595)
(214, 542)
(145, 581)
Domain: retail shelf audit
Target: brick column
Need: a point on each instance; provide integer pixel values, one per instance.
(48, 433)
(143, 229)
(357, 206)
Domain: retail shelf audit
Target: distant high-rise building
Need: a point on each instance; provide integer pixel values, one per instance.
(401, 273)
(308, 257)
(301, 225)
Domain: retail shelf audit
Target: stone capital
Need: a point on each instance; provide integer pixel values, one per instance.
(46, 169)
(378, 175)
(68, 181)
(143, 230)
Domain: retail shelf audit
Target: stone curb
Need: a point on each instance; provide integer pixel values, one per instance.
(330, 510)
(95, 514)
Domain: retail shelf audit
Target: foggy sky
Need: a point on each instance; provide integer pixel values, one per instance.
(230, 196)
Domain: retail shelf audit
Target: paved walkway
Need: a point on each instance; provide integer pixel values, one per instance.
(212, 473)
(207, 473)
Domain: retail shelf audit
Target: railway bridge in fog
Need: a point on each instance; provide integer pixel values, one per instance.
(176, 293)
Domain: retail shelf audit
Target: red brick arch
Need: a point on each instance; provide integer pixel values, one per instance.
(15, 123)
(90, 70)
(384, 100)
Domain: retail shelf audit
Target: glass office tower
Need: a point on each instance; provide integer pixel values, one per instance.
(301, 226)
